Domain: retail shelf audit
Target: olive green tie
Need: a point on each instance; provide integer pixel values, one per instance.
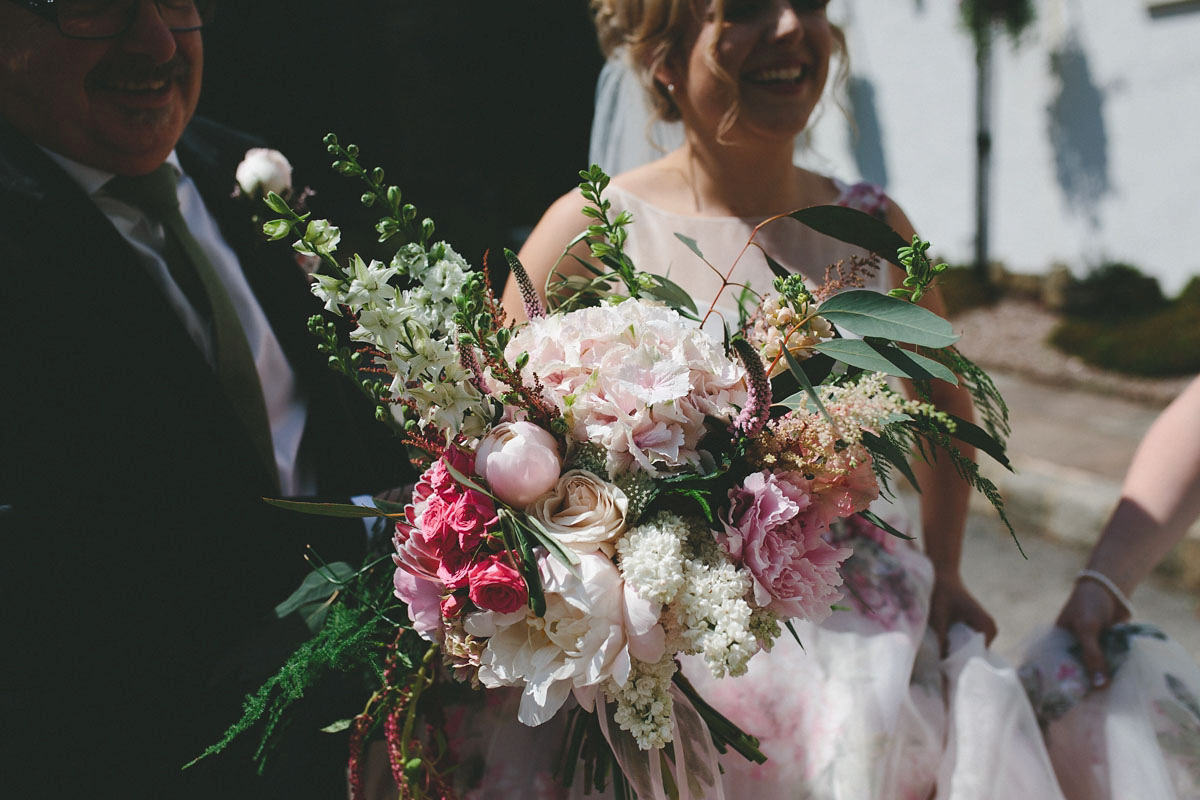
(190, 268)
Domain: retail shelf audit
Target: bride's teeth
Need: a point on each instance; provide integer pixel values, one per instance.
(788, 74)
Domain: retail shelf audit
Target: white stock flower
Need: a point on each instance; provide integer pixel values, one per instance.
(264, 170)
(593, 625)
(583, 512)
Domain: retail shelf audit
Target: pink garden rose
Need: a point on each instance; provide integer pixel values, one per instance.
(470, 518)
(774, 530)
(497, 586)
(453, 605)
(519, 461)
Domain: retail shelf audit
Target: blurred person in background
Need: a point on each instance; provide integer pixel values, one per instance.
(1119, 701)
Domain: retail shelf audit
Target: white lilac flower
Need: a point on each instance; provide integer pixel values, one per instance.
(644, 704)
(651, 557)
(713, 617)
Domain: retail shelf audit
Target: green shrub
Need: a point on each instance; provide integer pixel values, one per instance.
(1113, 291)
(963, 289)
(1162, 344)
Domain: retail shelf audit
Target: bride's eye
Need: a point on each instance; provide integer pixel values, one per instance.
(741, 10)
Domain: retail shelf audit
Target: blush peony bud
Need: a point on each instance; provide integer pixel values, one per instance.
(519, 461)
(263, 171)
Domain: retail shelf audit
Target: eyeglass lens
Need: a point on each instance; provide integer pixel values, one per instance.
(100, 19)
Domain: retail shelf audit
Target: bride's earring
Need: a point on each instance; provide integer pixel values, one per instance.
(670, 88)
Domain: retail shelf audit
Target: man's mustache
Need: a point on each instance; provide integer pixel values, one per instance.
(137, 70)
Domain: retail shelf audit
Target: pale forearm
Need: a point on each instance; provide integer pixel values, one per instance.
(1159, 499)
(945, 495)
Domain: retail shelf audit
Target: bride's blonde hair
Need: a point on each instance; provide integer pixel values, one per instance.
(653, 31)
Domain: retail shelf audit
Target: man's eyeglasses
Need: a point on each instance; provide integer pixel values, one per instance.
(106, 19)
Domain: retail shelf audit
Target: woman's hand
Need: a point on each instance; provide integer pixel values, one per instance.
(1089, 611)
(949, 603)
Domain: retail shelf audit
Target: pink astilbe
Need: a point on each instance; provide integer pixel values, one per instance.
(757, 411)
(529, 296)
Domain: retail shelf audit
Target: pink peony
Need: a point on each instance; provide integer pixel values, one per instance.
(773, 529)
(497, 586)
(519, 461)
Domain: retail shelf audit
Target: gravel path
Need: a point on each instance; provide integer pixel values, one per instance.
(1011, 336)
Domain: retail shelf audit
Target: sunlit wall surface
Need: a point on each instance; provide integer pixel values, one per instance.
(1095, 118)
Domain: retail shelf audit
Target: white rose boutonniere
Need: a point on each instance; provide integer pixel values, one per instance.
(262, 171)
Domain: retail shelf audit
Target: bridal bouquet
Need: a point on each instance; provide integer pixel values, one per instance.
(607, 487)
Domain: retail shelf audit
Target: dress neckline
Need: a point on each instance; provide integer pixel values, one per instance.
(842, 187)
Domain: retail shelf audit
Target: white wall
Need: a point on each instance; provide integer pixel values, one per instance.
(1119, 181)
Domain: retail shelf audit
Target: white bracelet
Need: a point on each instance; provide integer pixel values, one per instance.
(1107, 583)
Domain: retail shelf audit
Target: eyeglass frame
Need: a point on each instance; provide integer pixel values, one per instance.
(46, 10)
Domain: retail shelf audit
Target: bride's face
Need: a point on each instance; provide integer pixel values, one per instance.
(775, 58)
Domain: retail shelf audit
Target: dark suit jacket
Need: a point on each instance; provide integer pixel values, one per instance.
(140, 564)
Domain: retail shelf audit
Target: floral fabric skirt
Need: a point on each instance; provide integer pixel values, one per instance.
(864, 708)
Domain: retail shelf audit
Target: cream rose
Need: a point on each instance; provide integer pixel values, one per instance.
(262, 171)
(583, 512)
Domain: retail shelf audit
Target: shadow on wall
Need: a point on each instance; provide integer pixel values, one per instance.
(866, 133)
(1077, 131)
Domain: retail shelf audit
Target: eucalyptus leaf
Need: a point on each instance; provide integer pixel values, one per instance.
(797, 402)
(853, 227)
(673, 295)
(919, 366)
(691, 244)
(870, 313)
(341, 510)
(551, 543)
(779, 270)
(338, 727)
(858, 353)
(316, 587)
(802, 377)
(463, 480)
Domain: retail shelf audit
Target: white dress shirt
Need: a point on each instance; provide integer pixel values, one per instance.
(286, 405)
